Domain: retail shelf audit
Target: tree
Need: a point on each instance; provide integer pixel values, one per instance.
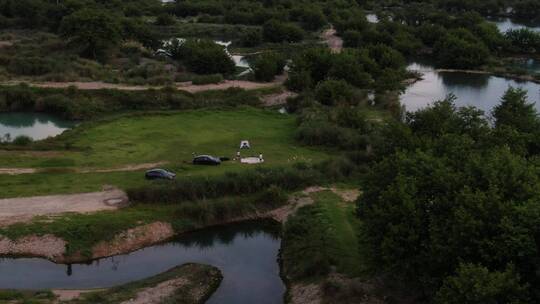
(331, 92)
(277, 31)
(515, 111)
(202, 56)
(267, 66)
(461, 49)
(94, 31)
(474, 284)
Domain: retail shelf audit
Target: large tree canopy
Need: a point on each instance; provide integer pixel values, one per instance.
(94, 31)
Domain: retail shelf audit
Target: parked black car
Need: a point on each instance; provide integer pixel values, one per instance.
(159, 174)
(206, 160)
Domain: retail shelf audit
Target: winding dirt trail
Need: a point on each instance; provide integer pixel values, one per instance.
(184, 86)
(126, 168)
(334, 42)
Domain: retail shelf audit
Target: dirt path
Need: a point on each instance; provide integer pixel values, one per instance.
(158, 293)
(126, 168)
(14, 210)
(184, 86)
(334, 42)
(277, 99)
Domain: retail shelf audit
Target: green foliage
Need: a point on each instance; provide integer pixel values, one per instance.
(514, 111)
(203, 56)
(451, 190)
(267, 66)
(93, 31)
(22, 140)
(185, 189)
(165, 20)
(277, 31)
(332, 92)
(461, 49)
(524, 40)
(207, 79)
(477, 285)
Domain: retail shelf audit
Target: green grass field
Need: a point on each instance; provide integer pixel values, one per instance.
(159, 137)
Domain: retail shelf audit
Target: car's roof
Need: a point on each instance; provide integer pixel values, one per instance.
(208, 156)
(158, 170)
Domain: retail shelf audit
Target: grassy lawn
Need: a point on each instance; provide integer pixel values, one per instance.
(158, 137)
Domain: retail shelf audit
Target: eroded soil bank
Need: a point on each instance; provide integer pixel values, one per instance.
(54, 248)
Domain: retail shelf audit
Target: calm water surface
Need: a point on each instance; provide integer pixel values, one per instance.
(246, 254)
(36, 125)
(482, 91)
(505, 24)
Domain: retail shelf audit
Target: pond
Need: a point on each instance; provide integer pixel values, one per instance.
(482, 91)
(505, 24)
(35, 125)
(245, 253)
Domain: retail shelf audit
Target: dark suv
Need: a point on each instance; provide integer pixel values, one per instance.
(159, 174)
(206, 160)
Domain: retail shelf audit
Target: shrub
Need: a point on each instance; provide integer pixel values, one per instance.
(232, 183)
(251, 38)
(277, 31)
(203, 57)
(331, 92)
(22, 140)
(207, 79)
(267, 66)
(31, 66)
(165, 20)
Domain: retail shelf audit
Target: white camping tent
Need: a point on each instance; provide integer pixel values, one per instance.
(244, 144)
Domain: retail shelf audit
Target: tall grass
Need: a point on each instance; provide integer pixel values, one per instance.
(247, 182)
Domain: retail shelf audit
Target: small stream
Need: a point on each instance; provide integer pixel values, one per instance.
(246, 254)
(479, 90)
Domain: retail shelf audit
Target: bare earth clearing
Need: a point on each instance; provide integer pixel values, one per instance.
(13, 210)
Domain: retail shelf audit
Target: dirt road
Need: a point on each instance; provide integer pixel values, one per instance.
(185, 86)
(13, 210)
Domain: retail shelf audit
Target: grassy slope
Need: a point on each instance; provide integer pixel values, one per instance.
(322, 235)
(203, 277)
(154, 138)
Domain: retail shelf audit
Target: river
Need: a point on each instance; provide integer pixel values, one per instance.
(247, 255)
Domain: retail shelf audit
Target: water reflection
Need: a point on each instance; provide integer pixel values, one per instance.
(36, 125)
(482, 91)
(245, 253)
(506, 24)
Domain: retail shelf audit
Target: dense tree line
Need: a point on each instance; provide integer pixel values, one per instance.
(452, 206)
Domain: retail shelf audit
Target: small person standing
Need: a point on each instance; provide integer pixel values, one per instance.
(238, 155)
(261, 158)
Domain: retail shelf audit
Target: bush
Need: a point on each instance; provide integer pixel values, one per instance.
(251, 38)
(203, 57)
(207, 79)
(165, 20)
(331, 92)
(267, 66)
(277, 31)
(200, 188)
(22, 140)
